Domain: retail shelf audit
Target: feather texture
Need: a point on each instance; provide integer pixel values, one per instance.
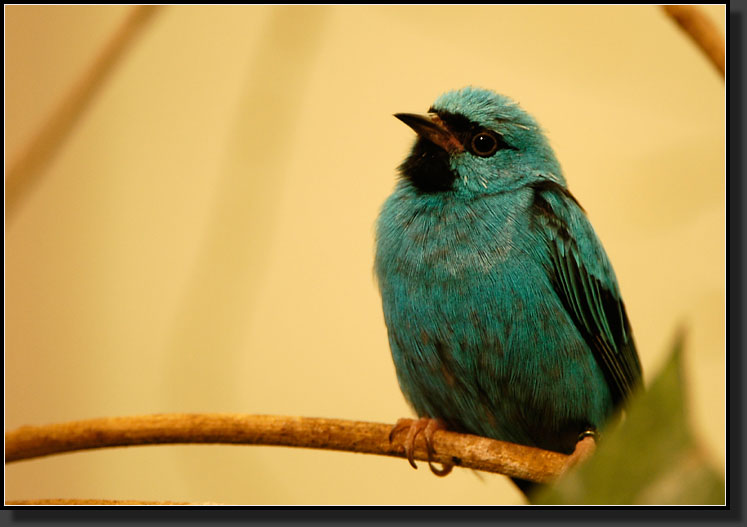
(503, 312)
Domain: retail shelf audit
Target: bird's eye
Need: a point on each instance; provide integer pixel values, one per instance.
(484, 144)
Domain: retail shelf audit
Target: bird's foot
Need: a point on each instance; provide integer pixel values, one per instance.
(585, 447)
(414, 427)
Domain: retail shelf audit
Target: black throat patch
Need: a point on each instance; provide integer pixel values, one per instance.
(427, 167)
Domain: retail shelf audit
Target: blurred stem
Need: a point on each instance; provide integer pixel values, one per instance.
(702, 30)
(97, 502)
(26, 170)
(462, 450)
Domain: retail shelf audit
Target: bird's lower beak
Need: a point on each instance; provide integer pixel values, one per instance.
(431, 127)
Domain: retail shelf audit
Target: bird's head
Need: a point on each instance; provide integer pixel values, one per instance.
(474, 142)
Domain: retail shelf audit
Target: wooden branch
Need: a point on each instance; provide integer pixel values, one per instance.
(99, 502)
(702, 30)
(462, 450)
(25, 172)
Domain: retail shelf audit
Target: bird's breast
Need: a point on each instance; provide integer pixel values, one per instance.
(442, 239)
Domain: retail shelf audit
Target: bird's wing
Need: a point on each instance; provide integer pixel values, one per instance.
(585, 282)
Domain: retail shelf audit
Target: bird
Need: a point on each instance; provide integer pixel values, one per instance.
(503, 312)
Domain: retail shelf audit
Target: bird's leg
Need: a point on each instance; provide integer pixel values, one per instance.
(411, 426)
(430, 429)
(414, 427)
(584, 449)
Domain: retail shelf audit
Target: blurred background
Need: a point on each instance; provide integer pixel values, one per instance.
(204, 239)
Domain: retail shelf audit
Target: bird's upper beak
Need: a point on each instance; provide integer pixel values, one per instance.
(432, 128)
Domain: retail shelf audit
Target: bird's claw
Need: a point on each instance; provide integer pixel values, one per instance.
(413, 429)
(428, 427)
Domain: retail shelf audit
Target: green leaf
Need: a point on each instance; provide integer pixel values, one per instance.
(650, 458)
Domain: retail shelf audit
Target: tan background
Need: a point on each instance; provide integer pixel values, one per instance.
(204, 241)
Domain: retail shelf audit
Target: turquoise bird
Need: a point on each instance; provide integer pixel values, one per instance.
(503, 312)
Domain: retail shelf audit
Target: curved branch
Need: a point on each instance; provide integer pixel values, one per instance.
(462, 450)
(702, 30)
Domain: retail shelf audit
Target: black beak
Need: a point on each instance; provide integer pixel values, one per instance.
(431, 127)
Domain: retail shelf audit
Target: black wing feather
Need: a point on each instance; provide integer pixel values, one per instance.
(587, 287)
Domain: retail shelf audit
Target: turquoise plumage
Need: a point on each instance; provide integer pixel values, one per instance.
(503, 312)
